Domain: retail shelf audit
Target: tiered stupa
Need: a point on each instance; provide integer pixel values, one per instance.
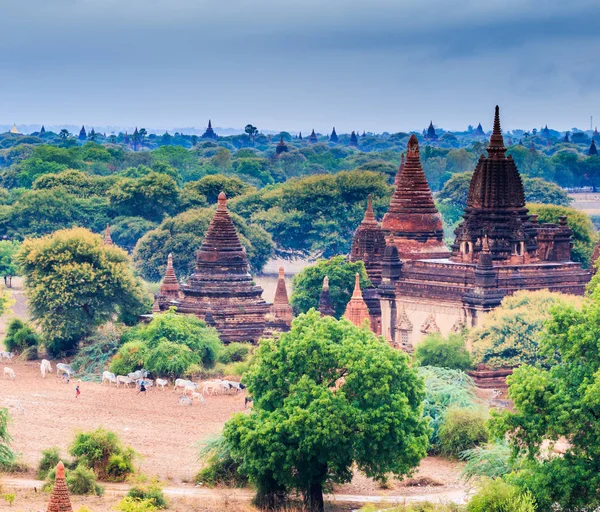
(499, 249)
(281, 147)
(478, 132)
(14, 129)
(209, 133)
(353, 139)
(325, 306)
(368, 244)
(334, 136)
(107, 237)
(430, 134)
(412, 219)
(60, 500)
(593, 151)
(312, 137)
(281, 308)
(82, 134)
(169, 286)
(356, 310)
(222, 285)
(399, 173)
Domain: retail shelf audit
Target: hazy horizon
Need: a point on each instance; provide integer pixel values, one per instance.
(377, 66)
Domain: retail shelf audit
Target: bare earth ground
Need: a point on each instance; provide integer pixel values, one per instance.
(164, 434)
(586, 202)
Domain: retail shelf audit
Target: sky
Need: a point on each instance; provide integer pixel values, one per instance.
(374, 65)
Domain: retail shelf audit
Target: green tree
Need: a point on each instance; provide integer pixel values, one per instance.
(252, 131)
(75, 283)
(509, 335)
(8, 265)
(449, 352)
(20, 336)
(7, 456)
(126, 231)
(320, 409)
(307, 284)
(584, 235)
(182, 235)
(562, 401)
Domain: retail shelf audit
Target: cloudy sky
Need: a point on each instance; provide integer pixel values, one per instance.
(375, 65)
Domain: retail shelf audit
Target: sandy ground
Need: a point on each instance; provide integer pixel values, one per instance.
(586, 202)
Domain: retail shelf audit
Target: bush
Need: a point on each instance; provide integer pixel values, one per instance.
(20, 336)
(130, 357)
(450, 352)
(152, 493)
(491, 461)
(96, 449)
(170, 359)
(498, 496)
(80, 481)
(234, 353)
(93, 357)
(50, 458)
(8, 459)
(220, 467)
(462, 429)
(129, 504)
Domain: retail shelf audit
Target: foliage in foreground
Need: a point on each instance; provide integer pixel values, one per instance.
(7, 456)
(327, 396)
(308, 284)
(562, 401)
(151, 493)
(103, 452)
(444, 352)
(445, 388)
(462, 429)
(424, 506)
(220, 467)
(509, 335)
(499, 496)
(75, 283)
(129, 504)
(169, 345)
(49, 461)
(20, 336)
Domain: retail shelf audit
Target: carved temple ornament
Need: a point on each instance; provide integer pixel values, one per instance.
(429, 326)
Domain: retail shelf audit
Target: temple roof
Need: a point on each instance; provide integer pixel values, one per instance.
(281, 147)
(312, 137)
(593, 151)
(14, 129)
(281, 295)
(169, 285)
(59, 499)
(368, 244)
(209, 133)
(356, 310)
(353, 139)
(325, 307)
(334, 136)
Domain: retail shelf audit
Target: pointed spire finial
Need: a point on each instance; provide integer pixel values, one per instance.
(222, 200)
(369, 214)
(107, 237)
(496, 146)
(325, 283)
(357, 291)
(281, 273)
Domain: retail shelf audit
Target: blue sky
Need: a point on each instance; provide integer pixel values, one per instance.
(375, 65)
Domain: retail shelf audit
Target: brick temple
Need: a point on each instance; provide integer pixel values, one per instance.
(221, 289)
(499, 249)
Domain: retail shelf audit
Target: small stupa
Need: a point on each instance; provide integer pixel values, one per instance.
(356, 310)
(368, 244)
(281, 308)
(60, 500)
(312, 137)
(353, 139)
(593, 151)
(325, 307)
(334, 136)
(281, 147)
(169, 286)
(209, 133)
(107, 237)
(14, 129)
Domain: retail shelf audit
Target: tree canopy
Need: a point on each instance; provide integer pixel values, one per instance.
(75, 283)
(308, 283)
(327, 396)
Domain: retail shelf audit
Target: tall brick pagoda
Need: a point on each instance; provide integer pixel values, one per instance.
(325, 306)
(209, 133)
(221, 285)
(281, 309)
(499, 249)
(412, 220)
(356, 310)
(60, 500)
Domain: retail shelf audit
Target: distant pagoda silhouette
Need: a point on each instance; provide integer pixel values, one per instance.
(209, 133)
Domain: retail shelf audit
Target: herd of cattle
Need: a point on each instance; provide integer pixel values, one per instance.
(190, 390)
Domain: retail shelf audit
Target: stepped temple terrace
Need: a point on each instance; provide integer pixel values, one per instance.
(499, 248)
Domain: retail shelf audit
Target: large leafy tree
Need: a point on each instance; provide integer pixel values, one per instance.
(205, 191)
(562, 401)
(8, 264)
(182, 235)
(308, 283)
(510, 334)
(328, 396)
(75, 283)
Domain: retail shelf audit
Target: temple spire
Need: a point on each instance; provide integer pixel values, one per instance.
(281, 305)
(593, 151)
(107, 237)
(325, 307)
(496, 148)
(334, 136)
(400, 169)
(169, 287)
(281, 147)
(356, 310)
(59, 499)
(369, 217)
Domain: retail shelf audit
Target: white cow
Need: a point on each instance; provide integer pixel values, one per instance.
(9, 373)
(199, 397)
(182, 383)
(211, 387)
(109, 377)
(7, 355)
(45, 367)
(121, 379)
(140, 374)
(161, 383)
(184, 400)
(62, 368)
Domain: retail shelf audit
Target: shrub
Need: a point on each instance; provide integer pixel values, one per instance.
(152, 493)
(95, 449)
(129, 358)
(8, 459)
(81, 480)
(50, 458)
(94, 355)
(20, 336)
(220, 467)
(450, 352)
(234, 353)
(498, 496)
(129, 504)
(491, 461)
(170, 359)
(462, 429)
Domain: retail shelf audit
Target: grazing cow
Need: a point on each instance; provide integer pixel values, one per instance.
(121, 379)
(184, 400)
(140, 374)
(147, 383)
(109, 377)
(45, 367)
(9, 373)
(62, 368)
(199, 397)
(7, 355)
(247, 400)
(236, 386)
(182, 383)
(161, 383)
(211, 386)
(190, 389)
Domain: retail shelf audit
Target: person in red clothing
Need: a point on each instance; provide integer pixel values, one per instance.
(77, 392)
